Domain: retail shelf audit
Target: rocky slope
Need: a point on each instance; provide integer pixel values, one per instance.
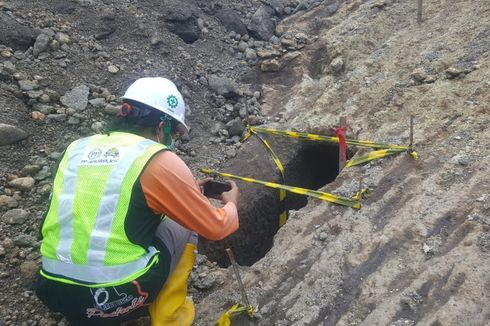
(417, 251)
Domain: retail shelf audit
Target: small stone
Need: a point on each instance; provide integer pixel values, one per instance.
(323, 236)
(44, 109)
(9, 67)
(253, 120)
(337, 64)
(45, 189)
(30, 169)
(242, 46)
(230, 153)
(55, 156)
(6, 53)
(453, 72)
(235, 127)
(28, 85)
(243, 112)
(270, 65)
(73, 121)
(62, 38)
(54, 45)
(43, 174)
(76, 98)
(24, 240)
(266, 53)
(257, 95)
(250, 53)
(113, 69)
(428, 250)
(97, 126)
(29, 270)
(223, 86)
(41, 44)
(2, 251)
(7, 201)
(419, 75)
(24, 183)
(290, 56)
(215, 129)
(44, 98)
(34, 94)
(204, 282)
(97, 103)
(15, 216)
(58, 117)
(111, 109)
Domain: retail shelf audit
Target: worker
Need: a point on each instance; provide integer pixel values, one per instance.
(120, 233)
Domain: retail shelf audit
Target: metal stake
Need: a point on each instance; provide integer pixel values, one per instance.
(410, 146)
(237, 274)
(342, 156)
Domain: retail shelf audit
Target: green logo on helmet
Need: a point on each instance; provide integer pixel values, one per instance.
(172, 101)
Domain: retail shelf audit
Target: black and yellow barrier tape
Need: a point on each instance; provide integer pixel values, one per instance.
(390, 149)
(235, 311)
(283, 216)
(296, 190)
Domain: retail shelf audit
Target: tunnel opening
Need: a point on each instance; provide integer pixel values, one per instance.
(307, 164)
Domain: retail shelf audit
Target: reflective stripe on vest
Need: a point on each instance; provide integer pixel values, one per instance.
(83, 235)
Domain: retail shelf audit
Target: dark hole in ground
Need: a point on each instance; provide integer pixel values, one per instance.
(307, 164)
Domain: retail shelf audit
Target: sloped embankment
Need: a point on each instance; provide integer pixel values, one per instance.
(417, 252)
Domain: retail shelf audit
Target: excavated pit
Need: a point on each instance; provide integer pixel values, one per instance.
(307, 164)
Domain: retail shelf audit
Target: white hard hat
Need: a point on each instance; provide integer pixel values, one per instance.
(158, 93)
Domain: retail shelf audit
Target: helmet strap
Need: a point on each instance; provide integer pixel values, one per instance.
(167, 130)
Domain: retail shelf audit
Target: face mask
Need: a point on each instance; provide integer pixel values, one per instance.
(171, 147)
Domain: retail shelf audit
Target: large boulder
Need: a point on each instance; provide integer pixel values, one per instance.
(223, 86)
(182, 23)
(10, 134)
(262, 26)
(14, 34)
(231, 21)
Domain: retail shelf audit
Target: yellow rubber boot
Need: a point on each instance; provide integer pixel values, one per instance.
(172, 307)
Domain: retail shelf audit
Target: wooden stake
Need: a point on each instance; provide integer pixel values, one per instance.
(419, 11)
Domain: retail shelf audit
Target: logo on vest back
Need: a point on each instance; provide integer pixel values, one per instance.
(101, 156)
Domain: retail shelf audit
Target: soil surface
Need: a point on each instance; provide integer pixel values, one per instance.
(416, 253)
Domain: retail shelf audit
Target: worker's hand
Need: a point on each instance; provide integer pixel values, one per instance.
(201, 182)
(231, 196)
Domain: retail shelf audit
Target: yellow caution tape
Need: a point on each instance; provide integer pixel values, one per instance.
(283, 216)
(372, 156)
(362, 194)
(234, 311)
(301, 191)
(306, 136)
(386, 149)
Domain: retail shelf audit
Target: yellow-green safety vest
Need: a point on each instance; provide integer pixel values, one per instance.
(84, 239)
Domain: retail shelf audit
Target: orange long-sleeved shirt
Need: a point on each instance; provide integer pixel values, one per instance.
(170, 188)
